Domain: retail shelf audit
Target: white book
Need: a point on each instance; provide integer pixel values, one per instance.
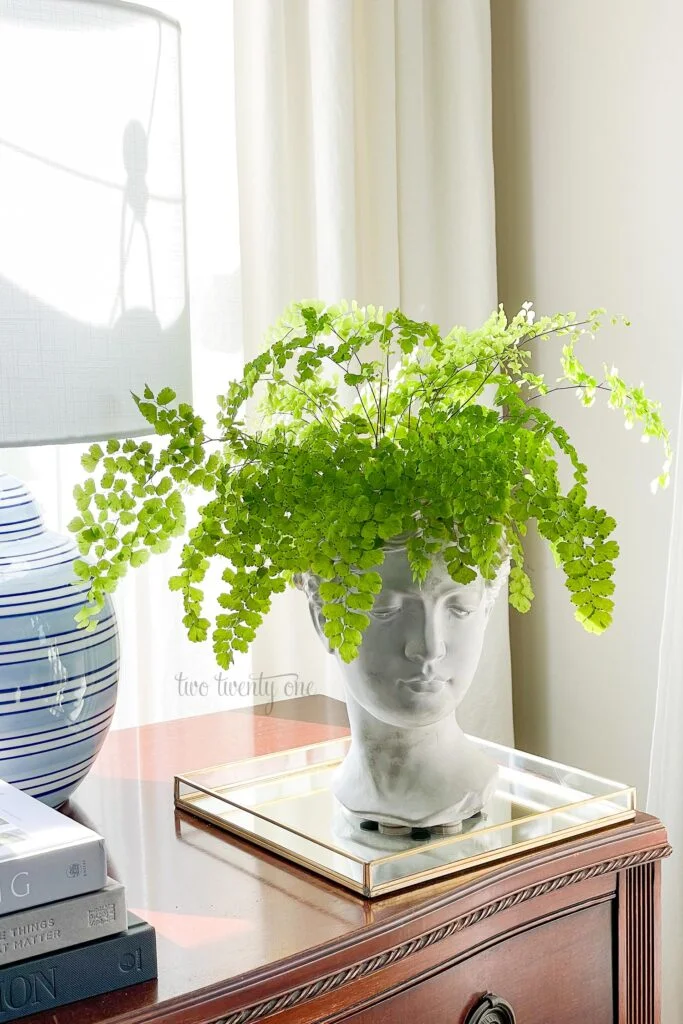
(44, 856)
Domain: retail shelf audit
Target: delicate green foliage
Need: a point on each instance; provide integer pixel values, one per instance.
(373, 427)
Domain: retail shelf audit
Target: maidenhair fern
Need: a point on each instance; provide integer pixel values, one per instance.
(371, 426)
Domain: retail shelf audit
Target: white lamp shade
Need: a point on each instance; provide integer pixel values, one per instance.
(93, 286)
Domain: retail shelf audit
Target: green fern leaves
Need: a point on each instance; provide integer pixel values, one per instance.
(372, 426)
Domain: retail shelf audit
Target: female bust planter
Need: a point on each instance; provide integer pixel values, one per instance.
(410, 765)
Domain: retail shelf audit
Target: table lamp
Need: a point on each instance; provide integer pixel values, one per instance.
(93, 306)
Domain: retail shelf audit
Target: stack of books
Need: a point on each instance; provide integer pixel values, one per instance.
(64, 931)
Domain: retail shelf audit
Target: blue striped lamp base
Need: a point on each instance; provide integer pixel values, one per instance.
(57, 682)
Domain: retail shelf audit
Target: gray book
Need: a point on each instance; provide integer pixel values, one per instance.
(46, 982)
(43, 930)
(44, 856)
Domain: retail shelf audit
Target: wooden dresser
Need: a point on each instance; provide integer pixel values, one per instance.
(567, 936)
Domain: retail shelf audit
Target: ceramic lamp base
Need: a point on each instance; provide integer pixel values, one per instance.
(57, 682)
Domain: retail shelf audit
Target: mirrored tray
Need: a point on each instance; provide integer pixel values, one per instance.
(283, 803)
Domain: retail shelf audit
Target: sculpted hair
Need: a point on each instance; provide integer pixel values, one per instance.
(309, 583)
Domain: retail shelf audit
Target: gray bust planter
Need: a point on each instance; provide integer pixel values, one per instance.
(409, 763)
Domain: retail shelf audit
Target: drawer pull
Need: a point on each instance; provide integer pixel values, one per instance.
(491, 1010)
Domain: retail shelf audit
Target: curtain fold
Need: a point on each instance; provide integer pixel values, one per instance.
(666, 757)
(361, 136)
(365, 170)
(154, 646)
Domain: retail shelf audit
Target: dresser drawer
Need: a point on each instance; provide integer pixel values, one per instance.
(555, 973)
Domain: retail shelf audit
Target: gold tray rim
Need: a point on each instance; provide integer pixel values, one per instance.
(366, 888)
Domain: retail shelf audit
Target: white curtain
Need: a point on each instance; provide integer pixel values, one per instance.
(365, 168)
(666, 759)
(154, 647)
(360, 134)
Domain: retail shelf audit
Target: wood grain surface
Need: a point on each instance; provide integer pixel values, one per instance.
(243, 936)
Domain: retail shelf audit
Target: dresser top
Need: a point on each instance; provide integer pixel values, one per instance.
(235, 923)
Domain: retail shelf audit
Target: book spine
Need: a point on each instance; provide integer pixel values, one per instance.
(106, 965)
(60, 925)
(53, 875)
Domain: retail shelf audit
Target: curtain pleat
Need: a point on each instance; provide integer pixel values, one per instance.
(365, 168)
(666, 758)
(360, 135)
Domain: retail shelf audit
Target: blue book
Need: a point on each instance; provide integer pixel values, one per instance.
(104, 965)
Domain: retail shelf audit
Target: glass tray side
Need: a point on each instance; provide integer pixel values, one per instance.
(283, 802)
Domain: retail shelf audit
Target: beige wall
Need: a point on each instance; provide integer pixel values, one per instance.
(588, 115)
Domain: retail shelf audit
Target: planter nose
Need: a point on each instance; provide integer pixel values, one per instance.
(425, 643)
(424, 654)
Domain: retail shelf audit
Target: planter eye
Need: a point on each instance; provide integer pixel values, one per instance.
(459, 613)
(384, 614)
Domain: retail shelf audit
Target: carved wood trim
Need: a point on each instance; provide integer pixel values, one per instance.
(639, 968)
(643, 861)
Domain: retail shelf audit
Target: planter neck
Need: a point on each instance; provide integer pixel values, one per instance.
(419, 777)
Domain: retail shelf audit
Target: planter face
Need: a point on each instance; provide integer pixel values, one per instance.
(409, 763)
